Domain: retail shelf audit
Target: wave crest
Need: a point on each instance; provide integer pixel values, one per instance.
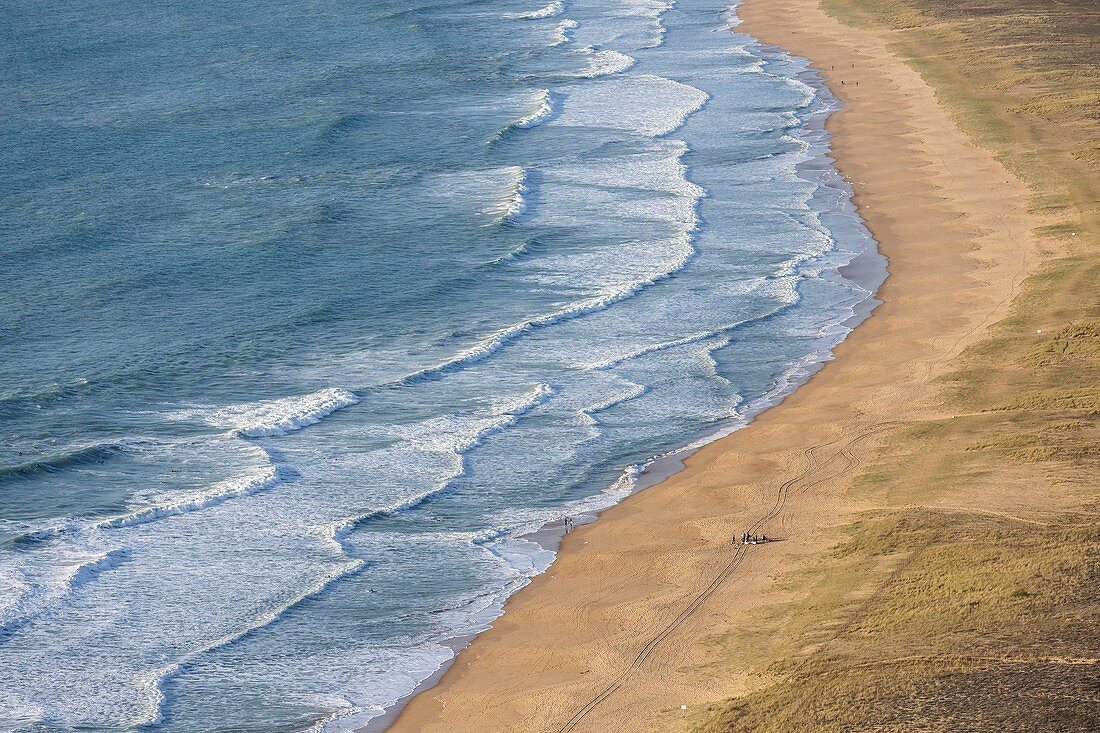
(275, 417)
(93, 453)
(564, 32)
(547, 11)
(513, 206)
(605, 62)
(549, 103)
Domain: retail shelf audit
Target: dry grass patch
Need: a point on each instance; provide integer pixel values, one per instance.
(981, 618)
(982, 623)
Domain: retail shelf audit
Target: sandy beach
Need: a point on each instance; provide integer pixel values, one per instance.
(651, 618)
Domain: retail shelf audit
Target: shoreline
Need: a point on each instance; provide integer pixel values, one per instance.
(867, 271)
(515, 644)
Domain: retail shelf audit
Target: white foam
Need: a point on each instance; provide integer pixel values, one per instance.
(547, 106)
(373, 690)
(525, 522)
(666, 257)
(152, 683)
(604, 62)
(523, 403)
(457, 434)
(20, 713)
(260, 476)
(682, 250)
(644, 103)
(453, 436)
(274, 417)
(15, 592)
(525, 557)
(40, 582)
(547, 11)
(648, 349)
(782, 289)
(178, 633)
(564, 32)
(257, 480)
(631, 391)
(652, 11)
(511, 207)
(660, 170)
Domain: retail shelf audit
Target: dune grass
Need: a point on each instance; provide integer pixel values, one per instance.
(937, 619)
(976, 623)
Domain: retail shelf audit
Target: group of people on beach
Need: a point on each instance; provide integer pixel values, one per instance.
(746, 538)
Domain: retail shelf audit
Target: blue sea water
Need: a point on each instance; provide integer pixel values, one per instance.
(312, 312)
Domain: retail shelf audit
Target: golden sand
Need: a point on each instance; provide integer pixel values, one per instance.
(894, 485)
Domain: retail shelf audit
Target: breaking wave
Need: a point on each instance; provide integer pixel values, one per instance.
(547, 11)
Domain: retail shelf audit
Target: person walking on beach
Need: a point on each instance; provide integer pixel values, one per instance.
(568, 525)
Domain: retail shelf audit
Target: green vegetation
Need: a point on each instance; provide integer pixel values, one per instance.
(927, 650)
(967, 620)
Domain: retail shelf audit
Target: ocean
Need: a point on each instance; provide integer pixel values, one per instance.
(312, 313)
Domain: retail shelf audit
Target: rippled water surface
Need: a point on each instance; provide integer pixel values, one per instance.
(312, 310)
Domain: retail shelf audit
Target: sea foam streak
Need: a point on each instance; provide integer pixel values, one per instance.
(259, 478)
(682, 254)
(645, 103)
(154, 683)
(638, 188)
(563, 33)
(547, 11)
(32, 589)
(275, 417)
(783, 288)
(454, 437)
(612, 295)
(631, 391)
(512, 207)
(604, 63)
(547, 106)
(654, 10)
(250, 420)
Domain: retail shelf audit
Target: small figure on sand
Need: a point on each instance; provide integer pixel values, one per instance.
(568, 525)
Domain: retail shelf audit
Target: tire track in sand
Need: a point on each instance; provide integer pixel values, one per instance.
(851, 462)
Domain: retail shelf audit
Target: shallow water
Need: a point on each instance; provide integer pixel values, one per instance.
(312, 311)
